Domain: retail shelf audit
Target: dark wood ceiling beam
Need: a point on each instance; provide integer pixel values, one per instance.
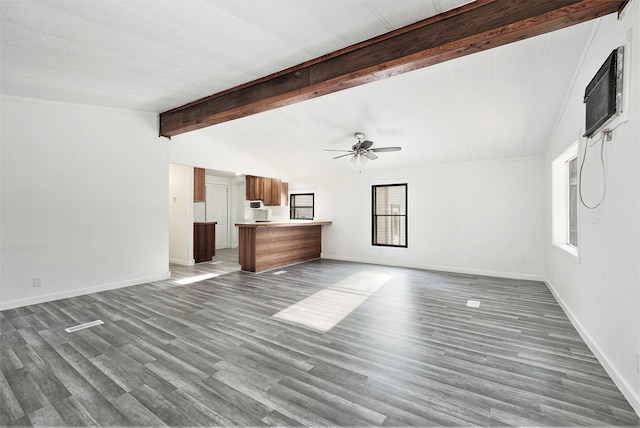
(475, 27)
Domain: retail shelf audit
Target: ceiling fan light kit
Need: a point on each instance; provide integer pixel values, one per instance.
(362, 151)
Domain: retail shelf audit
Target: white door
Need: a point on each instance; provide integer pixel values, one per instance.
(218, 210)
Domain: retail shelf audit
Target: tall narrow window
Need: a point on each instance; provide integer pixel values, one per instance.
(389, 212)
(565, 212)
(572, 170)
(301, 206)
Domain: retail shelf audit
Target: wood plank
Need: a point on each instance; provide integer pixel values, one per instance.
(475, 27)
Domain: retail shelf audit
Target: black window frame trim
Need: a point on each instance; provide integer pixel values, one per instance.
(405, 215)
(313, 206)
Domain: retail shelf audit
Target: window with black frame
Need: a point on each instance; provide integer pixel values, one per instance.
(389, 212)
(301, 206)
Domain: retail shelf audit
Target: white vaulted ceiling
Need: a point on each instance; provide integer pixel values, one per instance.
(155, 55)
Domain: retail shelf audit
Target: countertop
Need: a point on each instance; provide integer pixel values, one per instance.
(205, 222)
(284, 223)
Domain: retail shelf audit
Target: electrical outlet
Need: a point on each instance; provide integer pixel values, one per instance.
(37, 281)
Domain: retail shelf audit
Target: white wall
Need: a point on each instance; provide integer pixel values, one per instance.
(84, 200)
(181, 214)
(197, 150)
(601, 290)
(483, 217)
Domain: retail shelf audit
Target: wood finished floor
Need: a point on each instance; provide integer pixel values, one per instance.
(208, 354)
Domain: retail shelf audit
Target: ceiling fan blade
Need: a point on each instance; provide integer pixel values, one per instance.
(366, 144)
(371, 156)
(386, 149)
(341, 156)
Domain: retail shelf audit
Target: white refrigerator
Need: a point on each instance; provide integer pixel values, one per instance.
(199, 211)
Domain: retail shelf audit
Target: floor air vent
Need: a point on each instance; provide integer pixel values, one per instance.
(83, 326)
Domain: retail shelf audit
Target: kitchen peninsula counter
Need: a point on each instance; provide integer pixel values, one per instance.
(272, 244)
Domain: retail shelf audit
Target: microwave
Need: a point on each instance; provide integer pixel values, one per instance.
(261, 214)
(255, 204)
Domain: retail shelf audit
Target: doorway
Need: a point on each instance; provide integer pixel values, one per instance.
(217, 209)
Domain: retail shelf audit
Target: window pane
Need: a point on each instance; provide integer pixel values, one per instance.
(303, 200)
(391, 230)
(391, 200)
(303, 213)
(572, 166)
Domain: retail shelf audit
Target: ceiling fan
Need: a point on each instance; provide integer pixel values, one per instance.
(362, 150)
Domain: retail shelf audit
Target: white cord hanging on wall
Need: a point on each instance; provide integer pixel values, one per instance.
(605, 135)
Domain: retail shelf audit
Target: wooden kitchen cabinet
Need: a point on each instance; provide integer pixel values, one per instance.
(284, 193)
(275, 192)
(271, 191)
(199, 189)
(204, 241)
(266, 189)
(253, 188)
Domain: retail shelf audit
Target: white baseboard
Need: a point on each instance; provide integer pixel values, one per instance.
(182, 262)
(79, 292)
(498, 274)
(632, 396)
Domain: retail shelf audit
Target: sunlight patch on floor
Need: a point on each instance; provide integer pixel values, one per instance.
(326, 308)
(192, 279)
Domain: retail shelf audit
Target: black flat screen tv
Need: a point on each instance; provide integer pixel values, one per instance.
(603, 95)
